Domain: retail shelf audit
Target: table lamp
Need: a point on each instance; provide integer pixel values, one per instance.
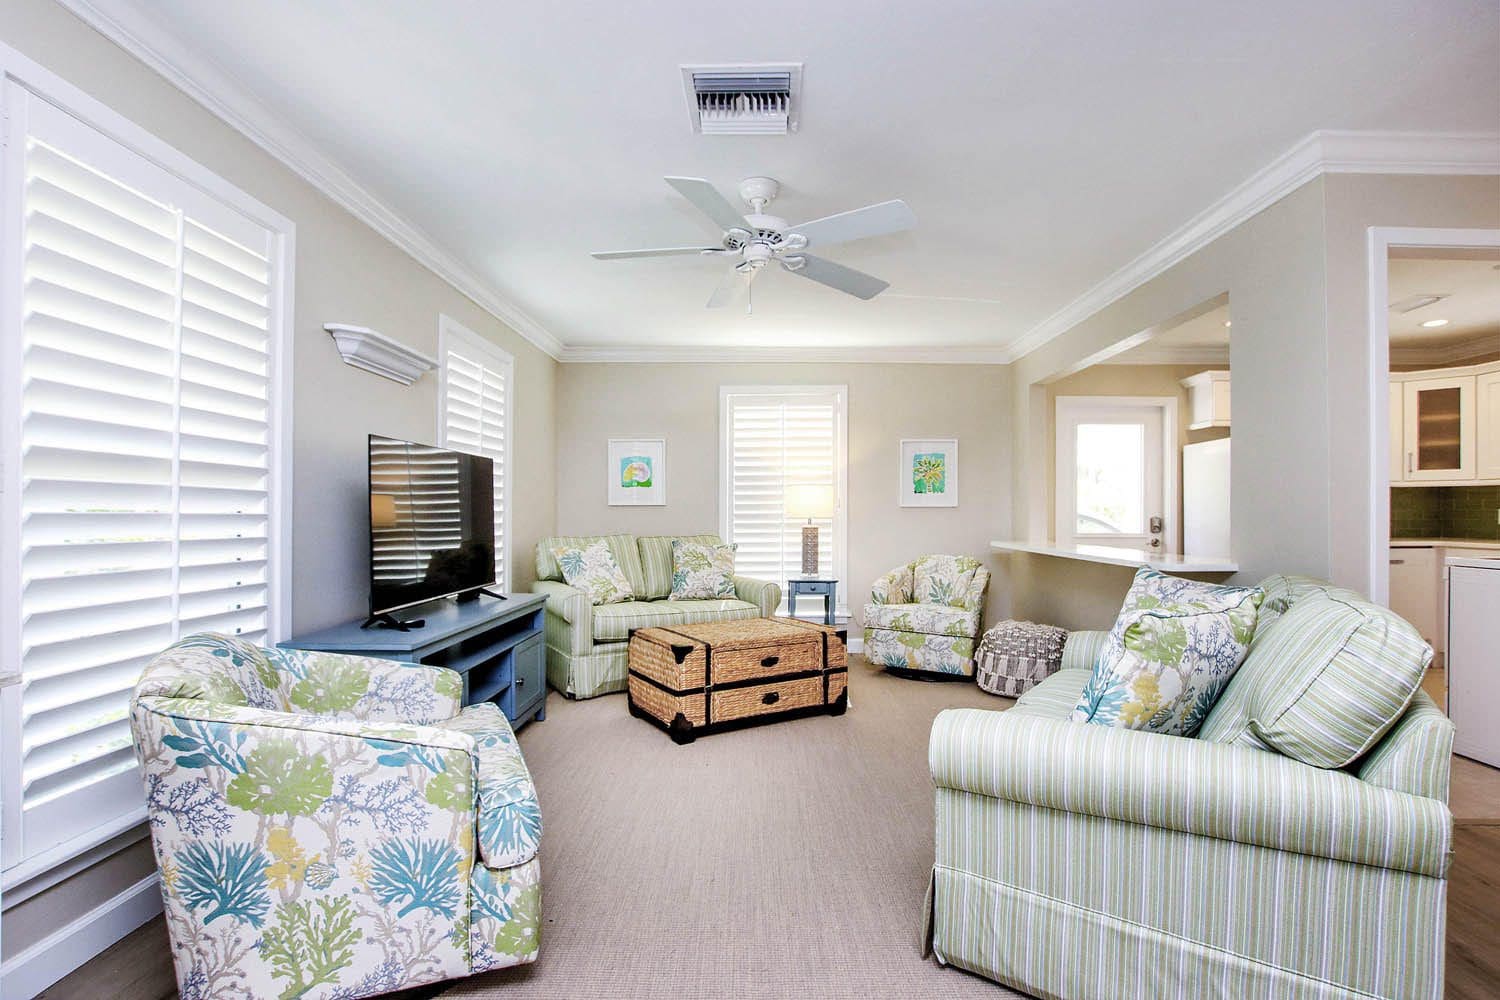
(809, 500)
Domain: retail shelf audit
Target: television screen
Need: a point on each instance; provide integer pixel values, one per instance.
(432, 523)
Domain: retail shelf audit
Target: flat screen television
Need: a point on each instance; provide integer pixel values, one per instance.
(432, 525)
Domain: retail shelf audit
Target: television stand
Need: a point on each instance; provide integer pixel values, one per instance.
(497, 647)
(387, 620)
(473, 595)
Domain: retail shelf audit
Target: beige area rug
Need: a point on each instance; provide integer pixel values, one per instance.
(787, 860)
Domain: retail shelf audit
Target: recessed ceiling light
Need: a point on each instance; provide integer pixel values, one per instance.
(1227, 324)
(1434, 323)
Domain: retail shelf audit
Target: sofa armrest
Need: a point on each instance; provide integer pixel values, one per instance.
(1208, 789)
(764, 594)
(1082, 650)
(568, 603)
(510, 819)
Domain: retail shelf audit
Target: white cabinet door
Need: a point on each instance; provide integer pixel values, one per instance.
(1414, 579)
(1487, 426)
(1438, 415)
(1398, 434)
(1473, 681)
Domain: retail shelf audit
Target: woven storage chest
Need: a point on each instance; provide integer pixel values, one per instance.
(691, 679)
(1015, 656)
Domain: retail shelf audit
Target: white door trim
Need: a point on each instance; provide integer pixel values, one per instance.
(1067, 405)
(1380, 240)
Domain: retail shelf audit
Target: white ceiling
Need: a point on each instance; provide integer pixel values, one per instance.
(1471, 303)
(1041, 145)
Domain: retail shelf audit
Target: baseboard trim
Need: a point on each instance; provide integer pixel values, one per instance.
(857, 644)
(69, 947)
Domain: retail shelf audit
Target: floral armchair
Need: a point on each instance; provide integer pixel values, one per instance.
(925, 616)
(332, 822)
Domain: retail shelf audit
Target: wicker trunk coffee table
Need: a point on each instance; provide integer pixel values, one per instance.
(693, 679)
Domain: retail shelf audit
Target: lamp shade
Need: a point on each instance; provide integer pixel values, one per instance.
(809, 500)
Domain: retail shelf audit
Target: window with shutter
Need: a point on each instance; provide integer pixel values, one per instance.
(141, 456)
(474, 416)
(773, 437)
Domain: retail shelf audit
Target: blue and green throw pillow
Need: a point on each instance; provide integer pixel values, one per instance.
(1170, 654)
(701, 571)
(593, 570)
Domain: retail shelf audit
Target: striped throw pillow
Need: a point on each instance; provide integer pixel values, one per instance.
(1332, 677)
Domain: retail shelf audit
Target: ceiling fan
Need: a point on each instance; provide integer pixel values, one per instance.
(756, 239)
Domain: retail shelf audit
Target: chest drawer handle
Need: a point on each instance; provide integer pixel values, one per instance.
(770, 698)
(770, 661)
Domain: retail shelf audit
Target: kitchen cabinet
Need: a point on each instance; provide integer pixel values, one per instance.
(1473, 681)
(1208, 400)
(1438, 429)
(1414, 590)
(1445, 426)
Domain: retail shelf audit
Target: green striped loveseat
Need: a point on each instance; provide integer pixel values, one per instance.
(1085, 861)
(586, 644)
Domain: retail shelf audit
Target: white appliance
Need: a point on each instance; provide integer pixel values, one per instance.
(1474, 657)
(1205, 499)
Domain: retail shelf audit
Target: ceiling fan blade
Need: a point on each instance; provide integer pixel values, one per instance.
(732, 289)
(845, 279)
(655, 252)
(710, 202)
(872, 220)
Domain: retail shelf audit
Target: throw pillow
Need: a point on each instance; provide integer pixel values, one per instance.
(1332, 678)
(701, 571)
(1174, 647)
(593, 570)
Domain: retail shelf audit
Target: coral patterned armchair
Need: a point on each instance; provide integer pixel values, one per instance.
(332, 823)
(924, 616)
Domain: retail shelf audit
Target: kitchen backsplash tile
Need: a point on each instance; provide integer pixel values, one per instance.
(1445, 512)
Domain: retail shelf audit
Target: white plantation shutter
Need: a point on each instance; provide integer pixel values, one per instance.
(144, 457)
(775, 437)
(475, 416)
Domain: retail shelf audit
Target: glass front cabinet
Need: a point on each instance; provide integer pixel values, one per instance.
(1445, 425)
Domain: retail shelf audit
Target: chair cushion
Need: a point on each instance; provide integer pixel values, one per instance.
(701, 571)
(1326, 681)
(655, 557)
(1170, 654)
(930, 619)
(613, 622)
(510, 819)
(938, 654)
(593, 570)
(943, 579)
(622, 547)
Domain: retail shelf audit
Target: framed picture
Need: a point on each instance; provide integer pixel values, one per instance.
(637, 472)
(929, 472)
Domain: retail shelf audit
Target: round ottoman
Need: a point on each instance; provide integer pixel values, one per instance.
(1014, 656)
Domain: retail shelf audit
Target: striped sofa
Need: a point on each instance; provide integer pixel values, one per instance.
(1086, 861)
(587, 643)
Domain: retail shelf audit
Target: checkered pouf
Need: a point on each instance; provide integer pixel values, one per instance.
(1015, 656)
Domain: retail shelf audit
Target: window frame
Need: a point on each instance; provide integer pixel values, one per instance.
(451, 331)
(20, 77)
(840, 396)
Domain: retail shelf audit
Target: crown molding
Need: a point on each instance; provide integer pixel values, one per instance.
(231, 102)
(709, 354)
(1317, 154)
(1438, 356)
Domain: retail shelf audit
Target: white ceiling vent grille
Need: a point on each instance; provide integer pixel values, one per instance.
(744, 100)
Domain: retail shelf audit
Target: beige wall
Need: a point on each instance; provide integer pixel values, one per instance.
(345, 272)
(885, 402)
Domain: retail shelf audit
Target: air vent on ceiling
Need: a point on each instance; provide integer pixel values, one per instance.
(744, 100)
(1420, 301)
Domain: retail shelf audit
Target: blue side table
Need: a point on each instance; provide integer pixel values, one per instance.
(807, 585)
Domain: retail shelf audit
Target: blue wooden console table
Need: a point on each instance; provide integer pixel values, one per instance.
(495, 646)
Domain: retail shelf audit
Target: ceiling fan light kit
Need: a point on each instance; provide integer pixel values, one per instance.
(758, 238)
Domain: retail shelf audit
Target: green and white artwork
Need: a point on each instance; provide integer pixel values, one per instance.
(929, 472)
(637, 472)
